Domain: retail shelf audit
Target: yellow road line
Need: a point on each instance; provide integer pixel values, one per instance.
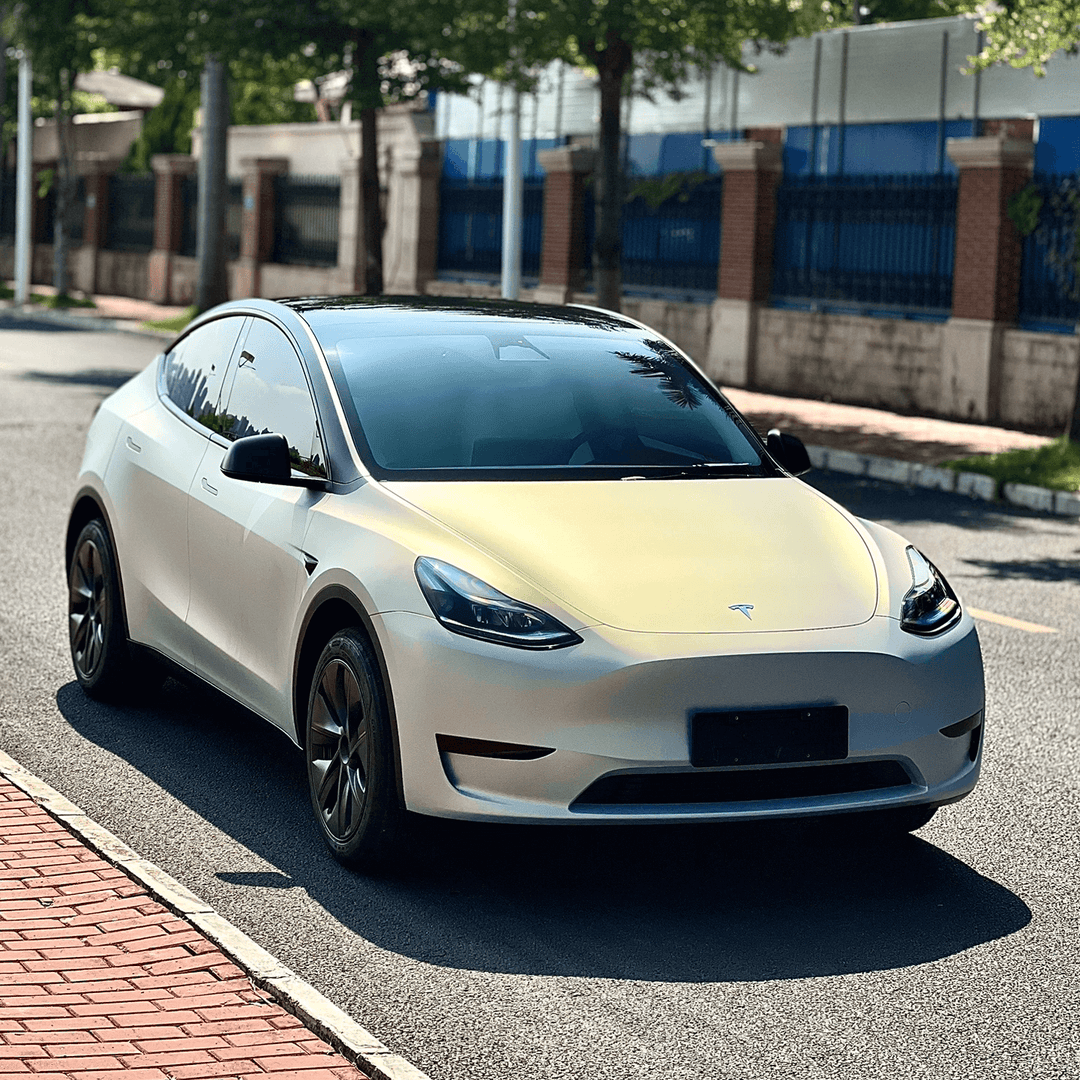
(1008, 620)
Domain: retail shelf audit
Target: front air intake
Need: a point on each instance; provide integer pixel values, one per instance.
(744, 785)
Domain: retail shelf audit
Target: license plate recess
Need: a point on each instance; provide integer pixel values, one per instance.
(768, 736)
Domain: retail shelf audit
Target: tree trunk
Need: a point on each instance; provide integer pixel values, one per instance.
(1074, 421)
(65, 182)
(369, 98)
(213, 283)
(613, 62)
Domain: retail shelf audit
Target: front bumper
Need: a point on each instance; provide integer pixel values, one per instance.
(619, 705)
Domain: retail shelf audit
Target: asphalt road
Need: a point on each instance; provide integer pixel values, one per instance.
(563, 953)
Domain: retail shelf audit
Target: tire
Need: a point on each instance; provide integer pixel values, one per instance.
(97, 632)
(350, 757)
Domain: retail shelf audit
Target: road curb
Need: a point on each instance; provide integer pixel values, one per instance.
(297, 997)
(933, 477)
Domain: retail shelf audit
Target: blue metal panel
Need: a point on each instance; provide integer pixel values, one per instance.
(870, 149)
(1058, 148)
(1048, 291)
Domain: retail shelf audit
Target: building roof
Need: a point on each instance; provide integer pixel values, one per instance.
(120, 90)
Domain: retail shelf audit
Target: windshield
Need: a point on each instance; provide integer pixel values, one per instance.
(518, 399)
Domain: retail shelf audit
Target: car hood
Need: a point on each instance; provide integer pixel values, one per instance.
(670, 556)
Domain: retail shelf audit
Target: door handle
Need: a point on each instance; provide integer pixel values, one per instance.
(133, 445)
(207, 487)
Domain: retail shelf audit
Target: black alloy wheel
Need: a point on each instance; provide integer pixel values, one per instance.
(99, 648)
(350, 759)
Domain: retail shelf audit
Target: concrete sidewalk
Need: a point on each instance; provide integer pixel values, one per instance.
(111, 970)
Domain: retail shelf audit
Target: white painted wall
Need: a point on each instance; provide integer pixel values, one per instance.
(894, 74)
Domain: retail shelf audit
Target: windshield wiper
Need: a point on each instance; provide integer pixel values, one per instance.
(698, 470)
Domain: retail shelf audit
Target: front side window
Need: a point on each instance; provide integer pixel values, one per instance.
(270, 394)
(521, 398)
(196, 365)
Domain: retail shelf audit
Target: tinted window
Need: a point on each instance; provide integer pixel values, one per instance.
(520, 396)
(195, 367)
(270, 393)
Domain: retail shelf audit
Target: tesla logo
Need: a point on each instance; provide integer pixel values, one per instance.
(744, 608)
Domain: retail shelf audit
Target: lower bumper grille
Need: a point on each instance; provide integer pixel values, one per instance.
(747, 785)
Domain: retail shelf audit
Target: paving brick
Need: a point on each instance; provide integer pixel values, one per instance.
(157, 1046)
(229, 1028)
(72, 1064)
(298, 1062)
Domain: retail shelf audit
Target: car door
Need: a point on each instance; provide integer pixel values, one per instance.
(149, 475)
(247, 560)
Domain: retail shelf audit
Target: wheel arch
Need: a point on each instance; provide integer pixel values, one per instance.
(88, 505)
(335, 608)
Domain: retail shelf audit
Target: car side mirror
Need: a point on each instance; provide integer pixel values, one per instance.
(264, 459)
(789, 452)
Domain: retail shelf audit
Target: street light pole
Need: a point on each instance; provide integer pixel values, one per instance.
(513, 189)
(24, 168)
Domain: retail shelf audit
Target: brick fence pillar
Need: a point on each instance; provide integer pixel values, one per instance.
(751, 175)
(986, 274)
(96, 169)
(562, 255)
(410, 242)
(169, 173)
(257, 220)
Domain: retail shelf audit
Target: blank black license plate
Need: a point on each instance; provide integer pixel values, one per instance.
(768, 736)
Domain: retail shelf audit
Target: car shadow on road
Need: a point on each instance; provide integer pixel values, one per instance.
(671, 904)
(106, 379)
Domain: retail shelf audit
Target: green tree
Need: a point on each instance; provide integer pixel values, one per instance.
(54, 34)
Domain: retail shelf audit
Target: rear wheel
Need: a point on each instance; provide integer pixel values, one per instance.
(350, 756)
(103, 662)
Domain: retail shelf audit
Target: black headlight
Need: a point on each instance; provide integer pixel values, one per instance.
(466, 605)
(930, 606)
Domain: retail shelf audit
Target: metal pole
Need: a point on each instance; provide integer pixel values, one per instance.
(941, 101)
(513, 192)
(814, 107)
(843, 102)
(978, 89)
(24, 166)
(212, 286)
(513, 199)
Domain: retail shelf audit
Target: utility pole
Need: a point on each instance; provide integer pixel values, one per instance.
(213, 286)
(23, 196)
(513, 188)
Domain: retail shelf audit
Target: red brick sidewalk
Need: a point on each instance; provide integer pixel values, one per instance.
(98, 981)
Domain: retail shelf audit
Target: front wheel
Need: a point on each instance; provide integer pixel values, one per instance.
(350, 756)
(99, 649)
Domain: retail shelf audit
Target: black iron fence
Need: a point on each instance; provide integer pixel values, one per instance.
(470, 228)
(881, 245)
(189, 195)
(306, 214)
(47, 212)
(129, 224)
(1049, 293)
(671, 242)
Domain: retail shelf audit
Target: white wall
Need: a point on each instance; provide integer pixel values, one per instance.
(894, 74)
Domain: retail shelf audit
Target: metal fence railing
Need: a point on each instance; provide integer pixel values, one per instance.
(47, 211)
(306, 214)
(674, 246)
(470, 228)
(129, 225)
(189, 194)
(1049, 292)
(881, 245)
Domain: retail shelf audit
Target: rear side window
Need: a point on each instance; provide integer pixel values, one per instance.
(195, 368)
(270, 394)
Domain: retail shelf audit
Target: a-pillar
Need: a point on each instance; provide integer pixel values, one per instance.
(257, 220)
(748, 218)
(986, 274)
(562, 255)
(169, 173)
(412, 228)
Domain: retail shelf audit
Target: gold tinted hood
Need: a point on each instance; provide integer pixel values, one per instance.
(670, 556)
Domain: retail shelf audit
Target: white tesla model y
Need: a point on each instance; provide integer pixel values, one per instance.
(497, 561)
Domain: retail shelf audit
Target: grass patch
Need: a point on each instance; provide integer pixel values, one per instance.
(6, 293)
(176, 323)
(62, 301)
(1055, 466)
